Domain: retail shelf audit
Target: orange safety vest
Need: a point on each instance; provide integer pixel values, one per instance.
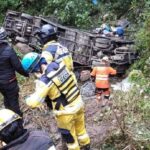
(102, 75)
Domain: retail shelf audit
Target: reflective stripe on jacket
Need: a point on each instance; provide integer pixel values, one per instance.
(59, 85)
(55, 51)
(102, 75)
(65, 82)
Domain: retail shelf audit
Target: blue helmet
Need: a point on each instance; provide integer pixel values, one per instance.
(30, 61)
(46, 33)
(120, 31)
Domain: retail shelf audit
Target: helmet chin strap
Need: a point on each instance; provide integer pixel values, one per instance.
(41, 70)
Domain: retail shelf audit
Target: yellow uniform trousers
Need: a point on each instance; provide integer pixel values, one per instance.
(72, 128)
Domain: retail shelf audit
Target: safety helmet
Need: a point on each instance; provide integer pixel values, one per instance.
(7, 117)
(30, 61)
(105, 58)
(46, 32)
(120, 31)
(3, 33)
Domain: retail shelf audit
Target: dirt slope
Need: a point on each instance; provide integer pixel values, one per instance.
(99, 122)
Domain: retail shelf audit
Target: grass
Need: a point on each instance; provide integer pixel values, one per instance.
(133, 121)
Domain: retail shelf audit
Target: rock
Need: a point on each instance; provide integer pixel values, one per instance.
(88, 89)
(23, 48)
(85, 75)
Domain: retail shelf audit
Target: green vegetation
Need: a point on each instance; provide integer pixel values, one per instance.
(132, 112)
(142, 38)
(83, 14)
(134, 106)
(8, 4)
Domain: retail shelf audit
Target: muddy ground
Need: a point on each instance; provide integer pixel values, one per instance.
(100, 122)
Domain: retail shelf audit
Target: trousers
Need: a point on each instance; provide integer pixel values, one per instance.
(105, 92)
(73, 131)
(10, 91)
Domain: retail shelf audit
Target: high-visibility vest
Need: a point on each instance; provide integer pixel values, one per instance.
(59, 85)
(65, 82)
(102, 76)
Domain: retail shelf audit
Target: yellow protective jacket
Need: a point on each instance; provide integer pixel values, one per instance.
(54, 51)
(60, 86)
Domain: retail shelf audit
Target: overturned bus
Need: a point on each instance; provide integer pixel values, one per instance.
(87, 48)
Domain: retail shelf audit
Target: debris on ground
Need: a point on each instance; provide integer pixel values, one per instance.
(88, 89)
(124, 85)
(98, 120)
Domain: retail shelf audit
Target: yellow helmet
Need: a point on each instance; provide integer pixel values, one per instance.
(7, 117)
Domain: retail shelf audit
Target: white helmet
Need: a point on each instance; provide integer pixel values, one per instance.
(7, 117)
(105, 58)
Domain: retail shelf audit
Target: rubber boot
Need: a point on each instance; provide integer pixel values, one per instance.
(98, 98)
(104, 102)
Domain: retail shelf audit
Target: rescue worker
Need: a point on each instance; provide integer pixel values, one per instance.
(59, 85)
(16, 137)
(101, 74)
(52, 49)
(9, 63)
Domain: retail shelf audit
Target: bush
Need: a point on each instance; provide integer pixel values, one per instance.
(132, 112)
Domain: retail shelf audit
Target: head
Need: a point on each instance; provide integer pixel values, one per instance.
(33, 62)
(47, 33)
(105, 59)
(3, 34)
(11, 126)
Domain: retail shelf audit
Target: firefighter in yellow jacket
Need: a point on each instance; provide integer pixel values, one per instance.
(52, 49)
(58, 83)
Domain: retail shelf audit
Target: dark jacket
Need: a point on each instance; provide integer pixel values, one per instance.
(31, 140)
(9, 63)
